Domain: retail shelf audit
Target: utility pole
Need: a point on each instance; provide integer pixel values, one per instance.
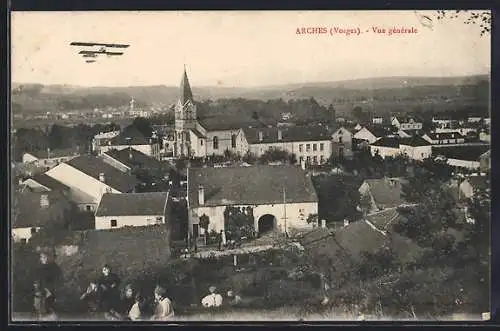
(284, 211)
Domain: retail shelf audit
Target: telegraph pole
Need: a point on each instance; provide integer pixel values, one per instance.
(284, 211)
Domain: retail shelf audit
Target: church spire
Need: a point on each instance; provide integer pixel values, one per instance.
(186, 93)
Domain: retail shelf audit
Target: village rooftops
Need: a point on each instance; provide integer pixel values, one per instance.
(288, 134)
(130, 136)
(378, 130)
(395, 142)
(94, 166)
(131, 157)
(133, 204)
(31, 213)
(255, 185)
(445, 135)
(387, 191)
(467, 153)
(49, 182)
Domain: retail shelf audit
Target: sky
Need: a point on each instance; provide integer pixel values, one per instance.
(240, 48)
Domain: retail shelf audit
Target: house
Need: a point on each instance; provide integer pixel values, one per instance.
(406, 124)
(129, 159)
(343, 138)
(50, 158)
(444, 138)
(132, 209)
(443, 122)
(132, 137)
(467, 157)
(474, 119)
(384, 193)
(470, 185)
(102, 138)
(44, 183)
(377, 120)
(280, 197)
(312, 144)
(371, 134)
(414, 147)
(89, 177)
(32, 211)
(485, 161)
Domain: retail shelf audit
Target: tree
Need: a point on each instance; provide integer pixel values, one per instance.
(277, 155)
(239, 221)
(312, 218)
(481, 18)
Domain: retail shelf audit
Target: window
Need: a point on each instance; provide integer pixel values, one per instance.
(233, 141)
(33, 230)
(159, 220)
(114, 223)
(308, 147)
(315, 159)
(321, 147)
(315, 147)
(216, 142)
(340, 139)
(201, 142)
(301, 148)
(308, 159)
(89, 208)
(301, 159)
(23, 241)
(321, 159)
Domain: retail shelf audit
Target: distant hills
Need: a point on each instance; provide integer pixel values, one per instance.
(373, 90)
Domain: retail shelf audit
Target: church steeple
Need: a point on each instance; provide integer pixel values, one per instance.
(186, 93)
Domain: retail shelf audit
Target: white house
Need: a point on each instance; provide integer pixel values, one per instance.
(445, 138)
(371, 134)
(50, 158)
(131, 137)
(310, 144)
(280, 197)
(415, 147)
(101, 138)
(88, 178)
(343, 138)
(132, 209)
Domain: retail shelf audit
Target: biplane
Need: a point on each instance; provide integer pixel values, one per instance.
(90, 56)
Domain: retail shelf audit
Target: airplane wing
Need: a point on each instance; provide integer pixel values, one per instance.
(90, 53)
(90, 61)
(78, 43)
(112, 53)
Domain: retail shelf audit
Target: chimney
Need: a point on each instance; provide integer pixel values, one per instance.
(303, 164)
(102, 178)
(280, 135)
(44, 200)
(201, 195)
(261, 137)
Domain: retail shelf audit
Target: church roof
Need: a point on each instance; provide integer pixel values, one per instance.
(186, 93)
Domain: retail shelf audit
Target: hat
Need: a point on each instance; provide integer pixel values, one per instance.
(212, 289)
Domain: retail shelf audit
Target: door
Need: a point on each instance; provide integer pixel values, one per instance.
(196, 231)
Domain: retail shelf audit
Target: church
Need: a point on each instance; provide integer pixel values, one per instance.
(193, 139)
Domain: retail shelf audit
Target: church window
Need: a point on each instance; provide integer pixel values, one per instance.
(233, 141)
(216, 142)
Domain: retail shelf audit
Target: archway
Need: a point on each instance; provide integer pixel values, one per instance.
(267, 223)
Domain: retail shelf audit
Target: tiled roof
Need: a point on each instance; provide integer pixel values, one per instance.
(387, 191)
(221, 123)
(49, 182)
(384, 219)
(387, 142)
(132, 204)
(468, 153)
(130, 136)
(132, 157)
(289, 134)
(445, 135)
(414, 141)
(378, 130)
(93, 166)
(198, 133)
(255, 185)
(29, 212)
